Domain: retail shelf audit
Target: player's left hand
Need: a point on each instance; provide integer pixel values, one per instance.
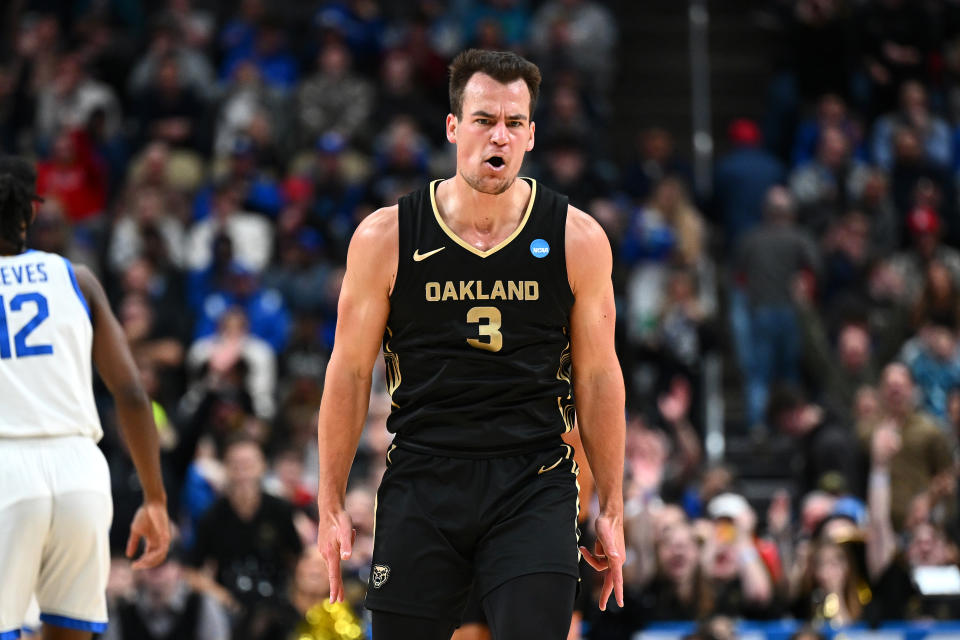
(608, 555)
(152, 524)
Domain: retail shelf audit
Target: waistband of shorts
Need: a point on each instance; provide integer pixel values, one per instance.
(40, 441)
(480, 454)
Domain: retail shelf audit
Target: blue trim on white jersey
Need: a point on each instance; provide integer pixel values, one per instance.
(76, 287)
(73, 623)
(10, 635)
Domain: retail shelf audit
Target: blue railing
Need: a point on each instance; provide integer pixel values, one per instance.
(783, 629)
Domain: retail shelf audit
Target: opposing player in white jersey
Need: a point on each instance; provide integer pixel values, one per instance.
(55, 504)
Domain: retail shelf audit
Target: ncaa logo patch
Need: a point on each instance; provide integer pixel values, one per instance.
(539, 248)
(380, 575)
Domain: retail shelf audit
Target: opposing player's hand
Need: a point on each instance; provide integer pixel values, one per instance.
(335, 541)
(608, 555)
(151, 524)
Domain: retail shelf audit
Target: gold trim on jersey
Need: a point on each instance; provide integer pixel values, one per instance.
(466, 245)
(565, 373)
(392, 362)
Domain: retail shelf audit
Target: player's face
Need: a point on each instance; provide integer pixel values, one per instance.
(493, 134)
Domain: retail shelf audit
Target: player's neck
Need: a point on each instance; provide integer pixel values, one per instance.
(474, 215)
(8, 250)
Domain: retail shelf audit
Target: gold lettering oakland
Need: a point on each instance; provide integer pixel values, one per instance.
(475, 290)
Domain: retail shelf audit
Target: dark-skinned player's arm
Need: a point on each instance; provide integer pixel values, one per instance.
(362, 314)
(115, 364)
(598, 389)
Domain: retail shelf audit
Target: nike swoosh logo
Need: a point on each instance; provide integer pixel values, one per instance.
(544, 469)
(417, 256)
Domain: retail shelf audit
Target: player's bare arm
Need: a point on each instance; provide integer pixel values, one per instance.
(115, 364)
(361, 320)
(598, 388)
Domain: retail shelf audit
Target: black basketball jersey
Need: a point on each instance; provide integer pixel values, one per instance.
(477, 343)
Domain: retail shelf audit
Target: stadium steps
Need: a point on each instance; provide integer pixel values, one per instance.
(653, 87)
(762, 468)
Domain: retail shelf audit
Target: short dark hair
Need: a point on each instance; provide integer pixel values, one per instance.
(16, 209)
(784, 398)
(502, 66)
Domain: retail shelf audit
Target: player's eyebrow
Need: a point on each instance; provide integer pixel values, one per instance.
(484, 114)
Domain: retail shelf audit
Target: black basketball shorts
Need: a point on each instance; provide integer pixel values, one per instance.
(445, 523)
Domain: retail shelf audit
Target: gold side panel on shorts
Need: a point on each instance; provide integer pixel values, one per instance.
(565, 373)
(460, 241)
(392, 362)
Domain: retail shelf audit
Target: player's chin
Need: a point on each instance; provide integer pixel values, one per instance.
(493, 184)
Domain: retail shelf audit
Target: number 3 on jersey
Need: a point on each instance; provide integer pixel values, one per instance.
(21, 348)
(491, 329)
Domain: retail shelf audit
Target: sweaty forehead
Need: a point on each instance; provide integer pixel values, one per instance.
(484, 93)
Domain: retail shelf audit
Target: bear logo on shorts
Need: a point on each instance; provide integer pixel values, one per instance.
(381, 573)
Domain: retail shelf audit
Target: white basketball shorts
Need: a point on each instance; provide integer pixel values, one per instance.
(55, 514)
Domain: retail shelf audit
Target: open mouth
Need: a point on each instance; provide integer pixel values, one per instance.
(496, 162)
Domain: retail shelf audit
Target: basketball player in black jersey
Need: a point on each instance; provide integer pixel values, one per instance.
(492, 300)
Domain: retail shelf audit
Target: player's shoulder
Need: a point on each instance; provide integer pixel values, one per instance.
(583, 232)
(378, 226)
(376, 238)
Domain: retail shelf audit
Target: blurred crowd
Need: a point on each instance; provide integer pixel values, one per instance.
(210, 161)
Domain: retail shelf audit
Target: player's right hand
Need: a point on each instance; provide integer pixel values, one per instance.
(152, 524)
(335, 541)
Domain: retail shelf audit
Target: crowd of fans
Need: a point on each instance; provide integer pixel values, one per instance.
(210, 161)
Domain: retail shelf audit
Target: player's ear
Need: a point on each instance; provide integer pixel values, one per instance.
(533, 128)
(452, 128)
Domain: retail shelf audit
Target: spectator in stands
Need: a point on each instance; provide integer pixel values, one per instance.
(832, 586)
(270, 53)
(397, 95)
(847, 256)
(302, 611)
(892, 566)
(655, 157)
(301, 274)
(933, 358)
(568, 168)
(335, 99)
(886, 225)
(910, 266)
(245, 100)
(74, 176)
(767, 261)
(167, 39)
(667, 231)
(914, 113)
(251, 235)
(742, 179)
(583, 33)
(401, 158)
(247, 542)
(895, 38)
(939, 300)
(924, 452)
(912, 173)
(825, 451)
(836, 372)
(234, 354)
(70, 100)
(337, 191)
(169, 110)
(826, 187)
(165, 605)
(831, 113)
(512, 19)
(148, 211)
(677, 588)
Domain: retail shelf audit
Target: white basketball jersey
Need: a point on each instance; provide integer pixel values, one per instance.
(46, 342)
